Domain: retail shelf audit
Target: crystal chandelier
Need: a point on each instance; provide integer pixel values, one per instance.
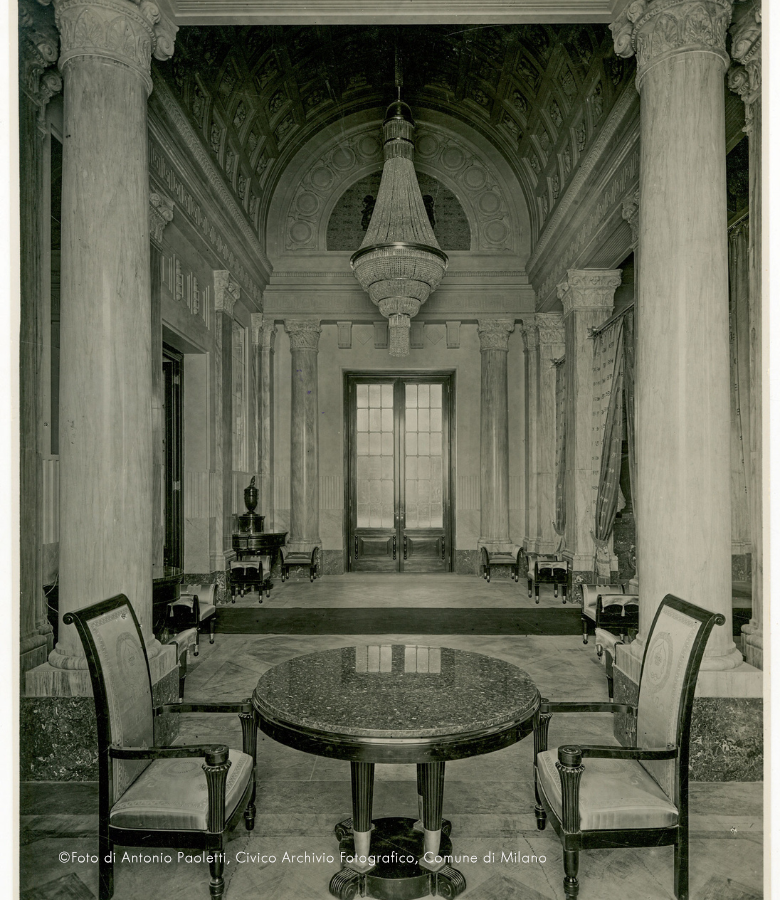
(399, 262)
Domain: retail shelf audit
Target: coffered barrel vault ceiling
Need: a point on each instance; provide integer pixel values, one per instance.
(255, 95)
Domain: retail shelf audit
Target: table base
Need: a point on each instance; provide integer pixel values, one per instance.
(395, 837)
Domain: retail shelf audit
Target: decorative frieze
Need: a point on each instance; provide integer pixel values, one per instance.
(226, 291)
(160, 214)
(185, 288)
(494, 333)
(119, 31)
(304, 333)
(589, 289)
(654, 30)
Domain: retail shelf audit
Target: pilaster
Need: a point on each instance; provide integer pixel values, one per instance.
(263, 341)
(531, 362)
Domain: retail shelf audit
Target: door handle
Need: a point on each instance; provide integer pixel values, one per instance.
(394, 547)
(406, 547)
(356, 547)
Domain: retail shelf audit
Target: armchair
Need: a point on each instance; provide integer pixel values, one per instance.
(612, 796)
(150, 796)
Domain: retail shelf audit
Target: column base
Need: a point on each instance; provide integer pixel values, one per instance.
(753, 637)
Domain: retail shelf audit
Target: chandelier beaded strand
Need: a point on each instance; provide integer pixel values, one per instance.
(399, 262)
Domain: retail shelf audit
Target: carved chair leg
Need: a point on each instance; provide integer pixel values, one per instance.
(249, 746)
(681, 866)
(571, 863)
(541, 726)
(212, 628)
(584, 630)
(105, 867)
(196, 652)
(216, 870)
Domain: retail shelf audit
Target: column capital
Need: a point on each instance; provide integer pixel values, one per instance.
(304, 333)
(226, 291)
(631, 215)
(263, 332)
(119, 31)
(589, 289)
(551, 328)
(494, 333)
(529, 333)
(745, 78)
(655, 30)
(160, 214)
(38, 49)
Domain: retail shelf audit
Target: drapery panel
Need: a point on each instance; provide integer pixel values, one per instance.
(560, 447)
(608, 372)
(739, 355)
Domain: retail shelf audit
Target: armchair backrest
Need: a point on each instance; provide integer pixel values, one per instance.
(670, 667)
(119, 669)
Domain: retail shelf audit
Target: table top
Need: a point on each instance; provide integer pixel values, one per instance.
(396, 702)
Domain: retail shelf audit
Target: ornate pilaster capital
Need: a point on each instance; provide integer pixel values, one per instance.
(551, 328)
(745, 78)
(654, 30)
(120, 31)
(589, 289)
(226, 291)
(304, 333)
(631, 215)
(529, 334)
(38, 50)
(160, 214)
(494, 334)
(263, 332)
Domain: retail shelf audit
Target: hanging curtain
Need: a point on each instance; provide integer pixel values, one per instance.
(628, 392)
(560, 447)
(739, 354)
(608, 401)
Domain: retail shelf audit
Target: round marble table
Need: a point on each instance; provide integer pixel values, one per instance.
(396, 703)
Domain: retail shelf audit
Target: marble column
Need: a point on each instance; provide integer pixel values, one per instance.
(531, 365)
(263, 340)
(304, 443)
(105, 361)
(494, 434)
(160, 214)
(745, 79)
(226, 293)
(551, 334)
(588, 299)
(37, 83)
(682, 497)
(631, 215)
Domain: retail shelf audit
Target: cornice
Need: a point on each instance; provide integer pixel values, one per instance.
(604, 141)
(195, 146)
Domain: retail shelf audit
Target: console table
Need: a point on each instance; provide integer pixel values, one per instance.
(396, 703)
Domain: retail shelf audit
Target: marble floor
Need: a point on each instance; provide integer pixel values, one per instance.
(489, 800)
(370, 591)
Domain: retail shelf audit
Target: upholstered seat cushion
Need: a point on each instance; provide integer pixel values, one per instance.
(591, 593)
(206, 609)
(614, 793)
(171, 794)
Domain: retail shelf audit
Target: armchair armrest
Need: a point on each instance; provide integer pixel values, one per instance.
(576, 706)
(604, 751)
(222, 706)
(215, 754)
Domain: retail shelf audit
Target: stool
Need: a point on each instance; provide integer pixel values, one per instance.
(250, 573)
(512, 558)
(548, 570)
(194, 607)
(299, 558)
(590, 595)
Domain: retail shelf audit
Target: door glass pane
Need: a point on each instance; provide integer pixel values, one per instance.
(423, 456)
(375, 449)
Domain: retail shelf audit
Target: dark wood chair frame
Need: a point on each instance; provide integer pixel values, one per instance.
(570, 767)
(554, 576)
(513, 560)
(182, 616)
(216, 767)
(301, 559)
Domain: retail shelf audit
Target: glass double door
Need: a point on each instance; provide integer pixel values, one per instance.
(399, 473)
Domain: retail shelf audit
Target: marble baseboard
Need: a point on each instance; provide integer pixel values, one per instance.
(332, 562)
(727, 734)
(58, 735)
(467, 562)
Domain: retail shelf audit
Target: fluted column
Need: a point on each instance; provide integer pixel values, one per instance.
(105, 361)
(38, 42)
(304, 443)
(551, 334)
(160, 214)
(531, 362)
(745, 79)
(682, 496)
(631, 215)
(588, 299)
(494, 434)
(263, 340)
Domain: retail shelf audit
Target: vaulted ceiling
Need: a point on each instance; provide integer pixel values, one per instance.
(256, 94)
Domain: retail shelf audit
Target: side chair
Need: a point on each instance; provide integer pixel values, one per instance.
(613, 796)
(185, 796)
